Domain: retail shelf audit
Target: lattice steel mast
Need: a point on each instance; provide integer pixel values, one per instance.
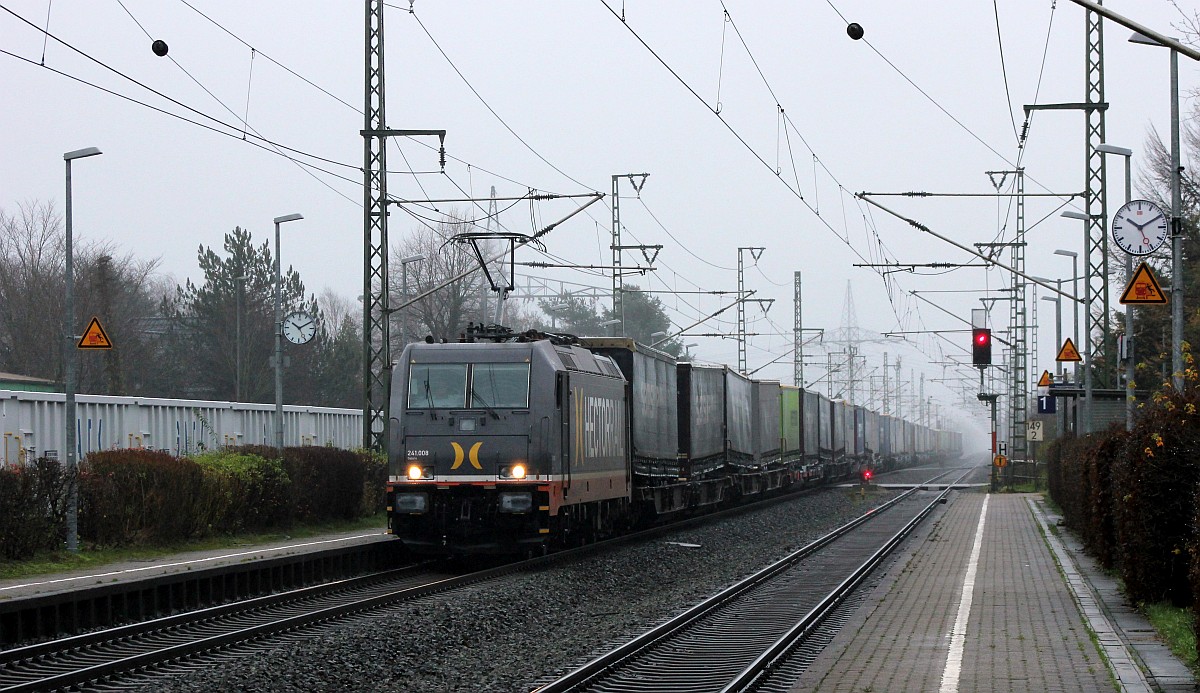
(376, 342)
(618, 311)
(798, 338)
(1018, 329)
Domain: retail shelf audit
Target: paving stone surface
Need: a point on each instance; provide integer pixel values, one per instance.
(1025, 631)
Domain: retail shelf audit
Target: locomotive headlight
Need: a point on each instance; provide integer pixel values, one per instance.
(516, 502)
(415, 472)
(513, 471)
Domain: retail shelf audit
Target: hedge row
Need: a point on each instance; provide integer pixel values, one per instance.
(143, 497)
(1133, 497)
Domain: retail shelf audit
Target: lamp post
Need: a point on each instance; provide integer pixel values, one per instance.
(1129, 392)
(553, 311)
(1074, 289)
(70, 356)
(609, 323)
(237, 375)
(404, 290)
(279, 337)
(1176, 212)
(1057, 325)
(1087, 371)
(655, 336)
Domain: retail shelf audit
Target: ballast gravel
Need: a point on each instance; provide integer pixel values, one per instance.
(525, 630)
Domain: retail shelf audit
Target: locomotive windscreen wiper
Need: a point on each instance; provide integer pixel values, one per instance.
(476, 397)
(429, 398)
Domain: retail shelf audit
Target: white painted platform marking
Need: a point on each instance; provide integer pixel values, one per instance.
(197, 561)
(958, 635)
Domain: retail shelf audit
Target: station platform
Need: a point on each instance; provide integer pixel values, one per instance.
(182, 563)
(992, 596)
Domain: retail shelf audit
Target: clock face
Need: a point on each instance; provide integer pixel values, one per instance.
(299, 328)
(1140, 227)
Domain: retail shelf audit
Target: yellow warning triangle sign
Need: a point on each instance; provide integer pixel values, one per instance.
(1068, 352)
(94, 337)
(1046, 380)
(1143, 288)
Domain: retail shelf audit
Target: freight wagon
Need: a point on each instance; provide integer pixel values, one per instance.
(521, 443)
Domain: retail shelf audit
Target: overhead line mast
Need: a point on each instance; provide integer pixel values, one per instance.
(377, 343)
(375, 290)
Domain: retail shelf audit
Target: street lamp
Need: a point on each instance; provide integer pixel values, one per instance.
(1087, 326)
(404, 290)
(1176, 214)
(70, 356)
(1074, 289)
(1106, 148)
(1057, 325)
(609, 323)
(553, 311)
(279, 337)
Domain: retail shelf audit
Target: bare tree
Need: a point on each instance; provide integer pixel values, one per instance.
(113, 287)
(445, 313)
(31, 290)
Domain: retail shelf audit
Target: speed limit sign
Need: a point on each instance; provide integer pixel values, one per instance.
(1033, 430)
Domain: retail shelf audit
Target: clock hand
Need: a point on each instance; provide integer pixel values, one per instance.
(1142, 226)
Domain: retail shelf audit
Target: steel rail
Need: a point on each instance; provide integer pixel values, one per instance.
(777, 653)
(594, 670)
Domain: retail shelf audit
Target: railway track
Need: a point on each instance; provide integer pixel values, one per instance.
(738, 638)
(104, 654)
(102, 659)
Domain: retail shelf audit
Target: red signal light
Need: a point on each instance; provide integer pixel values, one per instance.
(867, 475)
(981, 346)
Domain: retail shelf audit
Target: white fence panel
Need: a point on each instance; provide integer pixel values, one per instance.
(33, 424)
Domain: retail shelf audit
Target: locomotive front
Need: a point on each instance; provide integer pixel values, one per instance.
(480, 446)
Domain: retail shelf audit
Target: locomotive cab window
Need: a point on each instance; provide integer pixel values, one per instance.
(437, 386)
(492, 386)
(500, 385)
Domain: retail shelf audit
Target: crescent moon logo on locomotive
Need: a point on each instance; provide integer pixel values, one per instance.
(524, 443)
(458, 456)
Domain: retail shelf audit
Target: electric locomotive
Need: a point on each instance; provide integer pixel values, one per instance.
(520, 443)
(506, 447)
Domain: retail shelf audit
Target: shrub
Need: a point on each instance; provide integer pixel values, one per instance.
(326, 483)
(375, 481)
(139, 496)
(1099, 532)
(1154, 490)
(243, 491)
(1063, 478)
(32, 508)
